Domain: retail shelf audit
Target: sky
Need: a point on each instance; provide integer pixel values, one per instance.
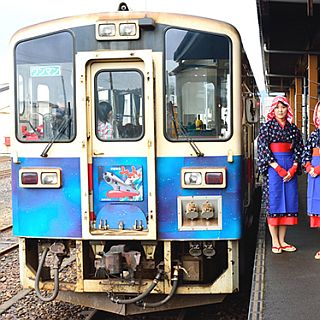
(34, 11)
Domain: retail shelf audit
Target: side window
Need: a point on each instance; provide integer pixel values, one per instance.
(119, 105)
(198, 88)
(45, 89)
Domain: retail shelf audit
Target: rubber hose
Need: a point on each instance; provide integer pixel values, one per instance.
(37, 280)
(142, 295)
(163, 301)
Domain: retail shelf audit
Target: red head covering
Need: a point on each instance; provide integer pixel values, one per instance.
(316, 119)
(275, 101)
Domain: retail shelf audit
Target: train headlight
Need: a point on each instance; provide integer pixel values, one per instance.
(49, 178)
(192, 178)
(117, 30)
(107, 30)
(127, 29)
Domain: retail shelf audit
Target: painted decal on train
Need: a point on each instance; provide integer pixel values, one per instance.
(120, 183)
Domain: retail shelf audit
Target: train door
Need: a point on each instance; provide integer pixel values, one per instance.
(122, 150)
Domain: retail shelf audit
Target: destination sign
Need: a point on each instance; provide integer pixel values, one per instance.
(45, 71)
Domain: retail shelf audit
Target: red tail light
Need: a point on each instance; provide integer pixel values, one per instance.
(214, 178)
(207, 177)
(29, 178)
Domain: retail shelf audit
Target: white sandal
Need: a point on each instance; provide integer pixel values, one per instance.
(317, 256)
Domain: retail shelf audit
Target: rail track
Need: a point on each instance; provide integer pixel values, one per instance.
(4, 159)
(7, 241)
(21, 294)
(5, 173)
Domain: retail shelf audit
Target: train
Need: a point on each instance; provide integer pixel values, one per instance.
(132, 158)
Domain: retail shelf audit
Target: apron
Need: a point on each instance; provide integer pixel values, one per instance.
(313, 194)
(283, 196)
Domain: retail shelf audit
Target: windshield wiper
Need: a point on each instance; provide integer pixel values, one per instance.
(193, 145)
(62, 128)
(179, 127)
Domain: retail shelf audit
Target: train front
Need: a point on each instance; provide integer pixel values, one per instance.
(127, 160)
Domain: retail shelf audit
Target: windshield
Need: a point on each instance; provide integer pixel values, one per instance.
(198, 89)
(44, 88)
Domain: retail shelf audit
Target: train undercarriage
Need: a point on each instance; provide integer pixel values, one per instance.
(130, 277)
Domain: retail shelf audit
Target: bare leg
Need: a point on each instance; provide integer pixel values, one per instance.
(282, 235)
(284, 245)
(274, 232)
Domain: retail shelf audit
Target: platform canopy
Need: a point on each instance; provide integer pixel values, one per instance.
(290, 31)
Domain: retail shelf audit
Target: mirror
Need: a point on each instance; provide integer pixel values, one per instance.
(252, 109)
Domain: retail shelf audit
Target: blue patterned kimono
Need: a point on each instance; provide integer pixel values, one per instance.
(313, 193)
(281, 198)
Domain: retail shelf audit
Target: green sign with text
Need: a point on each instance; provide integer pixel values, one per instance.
(45, 71)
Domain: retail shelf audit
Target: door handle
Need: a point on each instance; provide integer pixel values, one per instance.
(96, 153)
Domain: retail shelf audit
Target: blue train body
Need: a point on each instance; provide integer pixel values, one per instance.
(61, 216)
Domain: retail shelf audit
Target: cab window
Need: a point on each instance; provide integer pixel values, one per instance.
(198, 88)
(44, 89)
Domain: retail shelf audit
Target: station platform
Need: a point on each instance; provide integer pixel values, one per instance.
(287, 285)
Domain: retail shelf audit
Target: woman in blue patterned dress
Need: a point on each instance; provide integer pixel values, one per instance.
(311, 161)
(280, 150)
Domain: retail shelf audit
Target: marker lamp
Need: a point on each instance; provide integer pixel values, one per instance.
(192, 178)
(214, 178)
(29, 178)
(107, 30)
(127, 29)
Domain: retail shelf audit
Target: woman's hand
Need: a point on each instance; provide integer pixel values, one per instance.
(281, 172)
(291, 172)
(273, 165)
(312, 173)
(288, 177)
(293, 169)
(315, 171)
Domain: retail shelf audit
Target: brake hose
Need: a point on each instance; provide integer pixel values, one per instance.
(56, 279)
(155, 281)
(167, 298)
